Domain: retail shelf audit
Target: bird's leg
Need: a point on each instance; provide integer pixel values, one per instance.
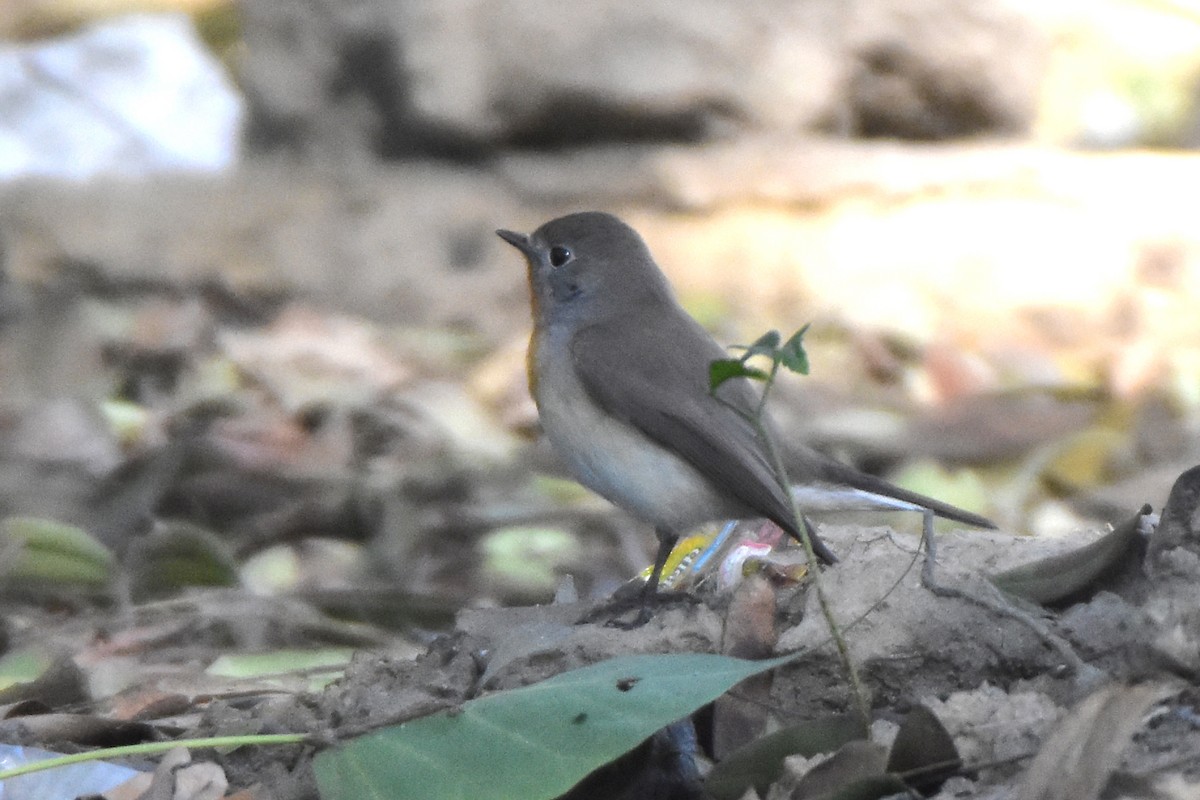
(666, 543)
(648, 597)
(930, 564)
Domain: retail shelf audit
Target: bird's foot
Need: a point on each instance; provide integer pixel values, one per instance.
(613, 611)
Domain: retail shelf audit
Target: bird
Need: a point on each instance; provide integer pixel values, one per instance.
(619, 373)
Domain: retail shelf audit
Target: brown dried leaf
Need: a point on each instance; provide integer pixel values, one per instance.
(1078, 757)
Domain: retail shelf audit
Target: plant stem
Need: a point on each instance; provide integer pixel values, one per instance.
(152, 747)
(862, 706)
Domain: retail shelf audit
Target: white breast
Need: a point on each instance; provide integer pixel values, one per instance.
(612, 458)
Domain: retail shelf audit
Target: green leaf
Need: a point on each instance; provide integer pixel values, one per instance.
(792, 355)
(253, 665)
(41, 551)
(178, 555)
(534, 742)
(24, 665)
(724, 369)
(325, 665)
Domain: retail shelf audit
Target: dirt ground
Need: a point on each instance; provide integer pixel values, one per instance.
(1006, 682)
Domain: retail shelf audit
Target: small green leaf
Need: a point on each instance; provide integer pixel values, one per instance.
(724, 369)
(792, 355)
(534, 742)
(765, 345)
(768, 341)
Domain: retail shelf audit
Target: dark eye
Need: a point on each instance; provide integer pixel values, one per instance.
(559, 255)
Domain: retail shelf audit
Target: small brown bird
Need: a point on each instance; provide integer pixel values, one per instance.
(620, 375)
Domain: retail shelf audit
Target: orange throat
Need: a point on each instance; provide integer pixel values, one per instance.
(531, 354)
(531, 364)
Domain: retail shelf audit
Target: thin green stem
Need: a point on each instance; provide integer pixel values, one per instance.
(762, 405)
(151, 748)
(862, 706)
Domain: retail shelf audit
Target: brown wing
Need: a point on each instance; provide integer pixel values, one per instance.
(655, 377)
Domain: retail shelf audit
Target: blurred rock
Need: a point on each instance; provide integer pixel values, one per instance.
(461, 78)
(939, 69)
(130, 97)
(409, 242)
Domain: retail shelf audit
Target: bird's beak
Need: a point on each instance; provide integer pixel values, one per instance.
(519, 241)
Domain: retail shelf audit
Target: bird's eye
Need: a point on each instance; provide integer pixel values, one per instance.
(559, 255)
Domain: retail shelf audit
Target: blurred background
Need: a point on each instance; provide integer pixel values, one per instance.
(255, 327)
